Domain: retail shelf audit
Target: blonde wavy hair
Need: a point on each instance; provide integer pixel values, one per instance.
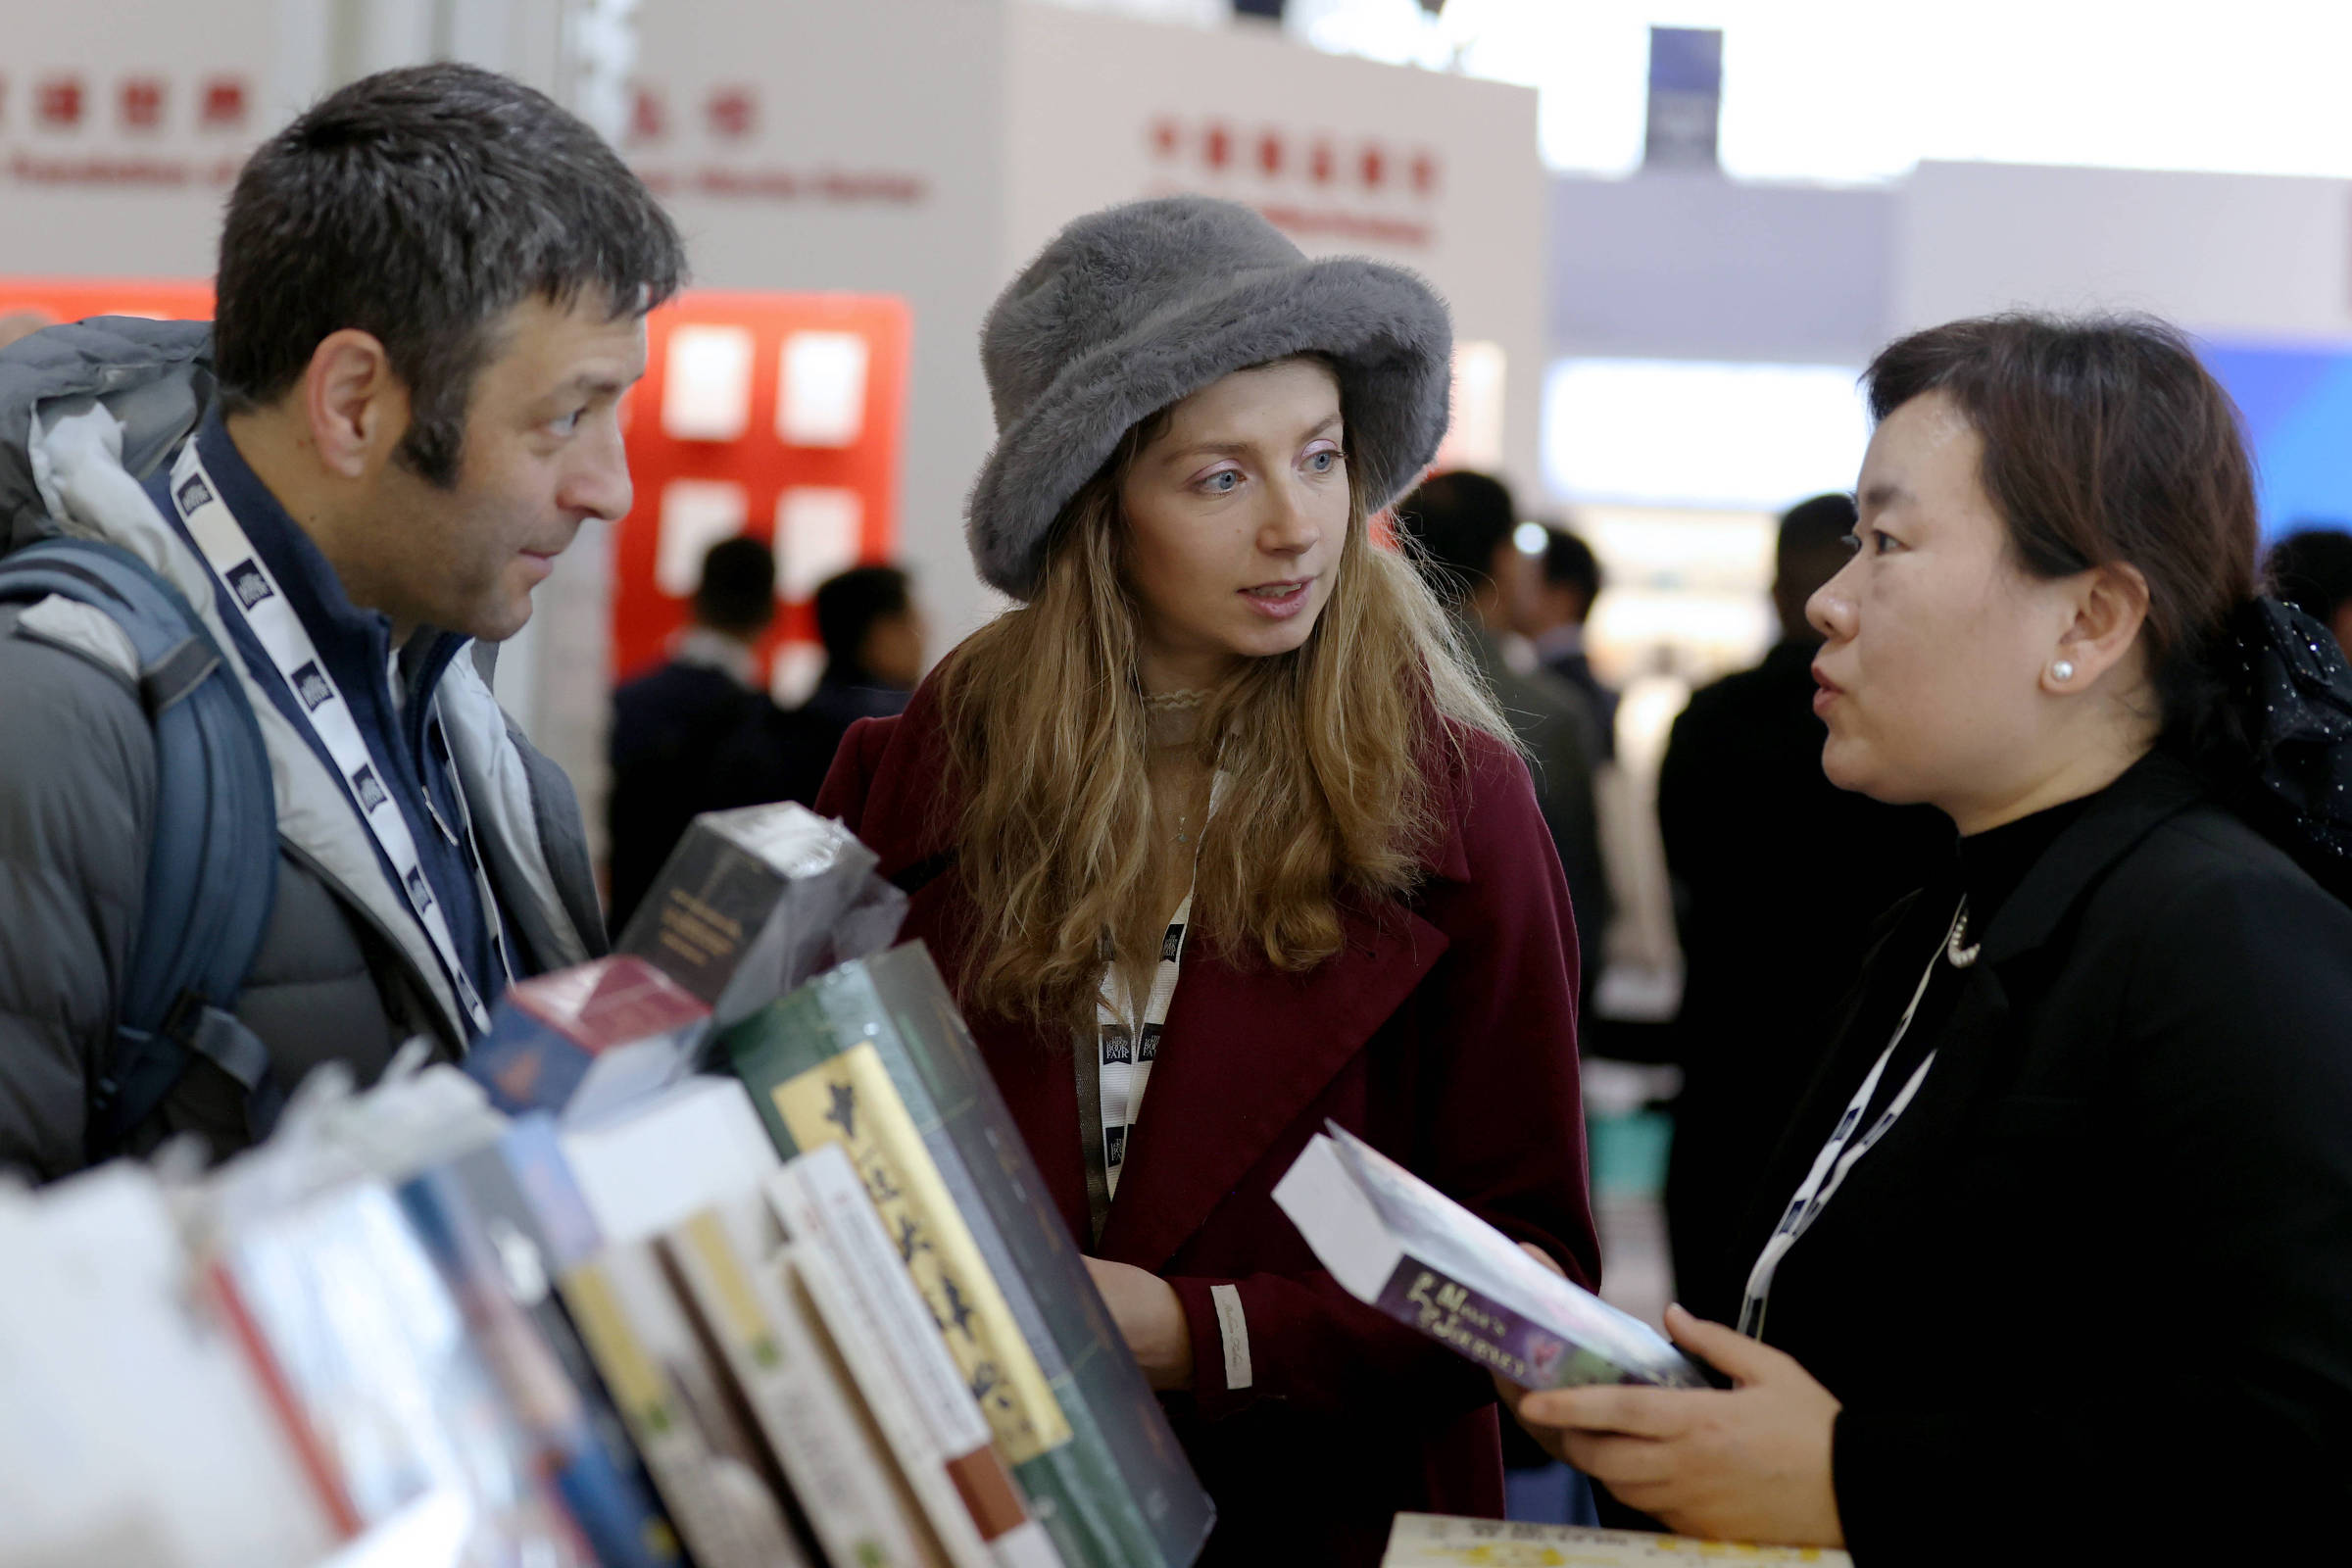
(1335, 755)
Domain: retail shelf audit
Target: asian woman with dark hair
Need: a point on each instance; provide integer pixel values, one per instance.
(2060, 1262)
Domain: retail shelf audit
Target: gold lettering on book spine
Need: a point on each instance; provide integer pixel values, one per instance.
(850, 1101)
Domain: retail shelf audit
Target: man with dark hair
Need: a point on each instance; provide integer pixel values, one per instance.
(671, 726)
(1552, 615)
(1778, 876)
(2311, 569)
(431, 297)
(1462, 527)
(873, 637)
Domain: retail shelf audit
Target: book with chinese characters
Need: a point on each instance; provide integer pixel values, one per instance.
(1430, 1540)
(821, 1199)
(1397, 1243)
(883, 1395)
(754, 900)
(730, 1258)
(872, 1056)
(587, 1041)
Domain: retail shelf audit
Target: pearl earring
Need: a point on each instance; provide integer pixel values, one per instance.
(2062, 671)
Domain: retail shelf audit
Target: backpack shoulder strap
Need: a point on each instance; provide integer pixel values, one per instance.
(212, 868)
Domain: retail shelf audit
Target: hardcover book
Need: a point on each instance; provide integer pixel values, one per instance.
(586, 1041)
(754, 900)
(1397, 1243)
(1430, 1540)
(874, 1058)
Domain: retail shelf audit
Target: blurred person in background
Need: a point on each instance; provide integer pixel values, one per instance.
(874, 638)
(432, 291)
(1221, 804)
(670, 725)
(1778, 876)
(2311, 570)
(1552, 615)
(1462, 525)
(2053, 1264)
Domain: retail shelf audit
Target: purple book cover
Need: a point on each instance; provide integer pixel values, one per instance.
(1465, 1284)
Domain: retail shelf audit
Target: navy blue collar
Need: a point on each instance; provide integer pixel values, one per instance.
(356, 643)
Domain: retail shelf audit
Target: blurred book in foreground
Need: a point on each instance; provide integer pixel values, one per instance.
(1427, 1540)
(1397, 1243)
(586, 1041)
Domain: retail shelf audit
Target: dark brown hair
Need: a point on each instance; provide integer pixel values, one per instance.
(2107, 442)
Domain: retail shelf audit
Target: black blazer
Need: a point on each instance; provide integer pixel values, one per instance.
(2097, 1282)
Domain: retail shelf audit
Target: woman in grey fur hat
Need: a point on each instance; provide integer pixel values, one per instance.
(1220, 804)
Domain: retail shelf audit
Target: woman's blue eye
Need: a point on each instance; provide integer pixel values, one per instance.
(569, 421)
(1215, 482)
(1323, 461)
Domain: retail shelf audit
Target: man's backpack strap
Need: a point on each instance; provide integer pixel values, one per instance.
(212, 868)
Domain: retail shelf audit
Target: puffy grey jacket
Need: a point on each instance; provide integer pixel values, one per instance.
(344, 972)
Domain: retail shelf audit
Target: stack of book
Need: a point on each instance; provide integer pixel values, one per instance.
(582, 1303)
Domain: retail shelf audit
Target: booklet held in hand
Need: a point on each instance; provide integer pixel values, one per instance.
(1397, 1243)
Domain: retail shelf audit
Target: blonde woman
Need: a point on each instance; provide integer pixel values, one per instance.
(1217, 812)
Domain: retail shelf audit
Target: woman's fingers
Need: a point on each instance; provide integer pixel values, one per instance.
(1619, 1461)
(1743, 1360)
(1631, 1411)
(1542, 1256)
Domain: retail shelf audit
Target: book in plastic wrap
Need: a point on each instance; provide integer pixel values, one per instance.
(1397, 1243)
(874, 1058)
(366, 1358)
(754, 900)
(467, 1216)
(1433, 1540)
(590, 1040)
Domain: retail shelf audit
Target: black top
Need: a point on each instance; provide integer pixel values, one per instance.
(2096, 1287)
(1780, 877)
(1985, 868)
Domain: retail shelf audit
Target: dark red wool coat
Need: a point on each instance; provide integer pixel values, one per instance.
(1444, 1034)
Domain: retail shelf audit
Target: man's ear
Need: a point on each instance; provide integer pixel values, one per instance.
(355, 409)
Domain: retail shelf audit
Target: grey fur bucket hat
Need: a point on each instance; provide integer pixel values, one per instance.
(1134, 308)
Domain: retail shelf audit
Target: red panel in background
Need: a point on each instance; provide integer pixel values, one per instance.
(760, 463)
(70, 298)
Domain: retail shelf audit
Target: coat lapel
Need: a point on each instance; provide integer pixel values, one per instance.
(1245, 1053)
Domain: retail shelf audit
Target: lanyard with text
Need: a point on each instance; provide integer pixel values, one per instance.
(1838, 1155)
(257, 596)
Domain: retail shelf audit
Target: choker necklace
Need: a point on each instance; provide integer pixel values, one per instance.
(1176, 701)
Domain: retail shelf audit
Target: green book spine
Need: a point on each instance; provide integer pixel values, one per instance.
(1070, 1410)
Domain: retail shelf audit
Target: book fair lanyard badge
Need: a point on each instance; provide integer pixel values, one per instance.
(1838, 1155)
(255, 594)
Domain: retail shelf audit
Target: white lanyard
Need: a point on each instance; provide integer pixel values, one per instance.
(256, 595)
(1128, 1039)
(1838, 1155)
